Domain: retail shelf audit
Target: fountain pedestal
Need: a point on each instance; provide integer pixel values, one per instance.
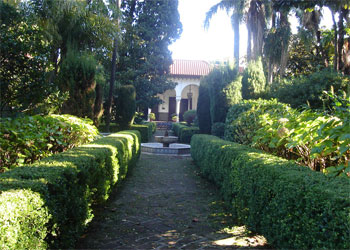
(166, 140)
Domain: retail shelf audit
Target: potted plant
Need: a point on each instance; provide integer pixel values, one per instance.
(151, 116)
(174, 118)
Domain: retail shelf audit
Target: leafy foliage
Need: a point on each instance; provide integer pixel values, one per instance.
(242, 120)
(50, 202)
(77, 76)
(149, 27)
(203, 108)
(308, 89)
(312, 139)
(30, 138)
(218, 129)
(253, 82)
(184, 132)
(189, 116)
(291, 206)
(224, 90)
(125, 106)
(23, 59)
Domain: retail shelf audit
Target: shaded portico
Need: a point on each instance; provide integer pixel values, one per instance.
(187, 75)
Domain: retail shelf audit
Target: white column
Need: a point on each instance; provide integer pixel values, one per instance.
(178, 101)
(149, 111)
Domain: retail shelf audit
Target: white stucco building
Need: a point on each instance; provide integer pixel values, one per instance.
(187, 75)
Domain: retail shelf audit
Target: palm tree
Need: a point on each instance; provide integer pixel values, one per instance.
(237, 6)
(256, 25)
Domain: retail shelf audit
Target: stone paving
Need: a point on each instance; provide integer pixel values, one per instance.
(164, 203)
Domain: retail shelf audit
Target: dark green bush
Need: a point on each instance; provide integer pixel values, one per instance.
(50, 202)
(222, 84)
(203, 108)
(125, 106)
(187, 133)
(77, 76)
(189, 116)
(254, 81)
(145, 131)
(292, 206)
(307, 89)
(184, 132)
(177, 126)
(218, 129)
(30, 138)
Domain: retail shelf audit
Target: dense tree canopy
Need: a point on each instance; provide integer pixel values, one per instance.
(148, 27)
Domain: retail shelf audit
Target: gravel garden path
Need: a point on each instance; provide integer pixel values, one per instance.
(164, 203)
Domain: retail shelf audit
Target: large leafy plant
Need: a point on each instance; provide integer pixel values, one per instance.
(319, 141)
(30, 138)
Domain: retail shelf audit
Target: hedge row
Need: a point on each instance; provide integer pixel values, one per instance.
(184, 132)
(49, 203)
(146, 130)
(292, 206)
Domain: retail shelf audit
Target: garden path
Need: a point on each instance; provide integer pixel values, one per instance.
(164, 203)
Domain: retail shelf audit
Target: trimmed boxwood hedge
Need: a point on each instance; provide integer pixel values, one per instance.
(146, 130)
(184, 132)
(292, 206)
(49, 203)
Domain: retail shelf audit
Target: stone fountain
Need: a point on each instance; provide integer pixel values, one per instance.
(166, 145)
(166, 139)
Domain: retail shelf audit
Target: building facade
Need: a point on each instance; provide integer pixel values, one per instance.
(187, 75)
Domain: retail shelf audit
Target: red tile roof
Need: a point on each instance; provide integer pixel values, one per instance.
(189, 68)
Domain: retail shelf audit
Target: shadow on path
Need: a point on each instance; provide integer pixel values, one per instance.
(164, 203)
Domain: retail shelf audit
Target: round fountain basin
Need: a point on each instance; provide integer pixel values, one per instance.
(173, 149)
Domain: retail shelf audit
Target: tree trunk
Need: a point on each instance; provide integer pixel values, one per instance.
(112, 79)
(270, 73)
(111, 84)
(235, 23)
(335, 61)
(249, 47)
(341, 39)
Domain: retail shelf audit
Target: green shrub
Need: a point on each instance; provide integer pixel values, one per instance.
(218, 129)
(184, 132)
(292, 206)
(319, 141)
(30, 138)
(50, 202)
(152, 116)
(145, 131)
(307, 89)
(243, 119)
(203, 108)
(187, 133)
(153, 126)
(125, 106)
(27, 217)
(222, 85)
(254, 81)
(77, 76)
(189, 116)
(177, 126)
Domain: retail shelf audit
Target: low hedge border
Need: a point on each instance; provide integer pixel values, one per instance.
(292, 206)
(146, 130)
(184, 132)
(49, 203)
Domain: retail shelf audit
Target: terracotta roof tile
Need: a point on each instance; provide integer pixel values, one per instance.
(189, 68)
